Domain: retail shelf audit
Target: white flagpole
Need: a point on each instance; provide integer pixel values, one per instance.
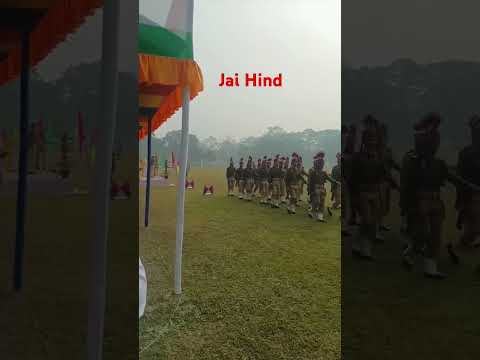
(181, 191)
(103, 166)
(183, 172)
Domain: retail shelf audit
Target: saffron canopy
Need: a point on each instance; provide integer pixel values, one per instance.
(165, 67)
(48, 23)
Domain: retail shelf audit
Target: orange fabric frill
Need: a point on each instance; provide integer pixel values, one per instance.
(61, 19)
(170, 72)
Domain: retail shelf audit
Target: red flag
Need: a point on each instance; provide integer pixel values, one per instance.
(81, 131)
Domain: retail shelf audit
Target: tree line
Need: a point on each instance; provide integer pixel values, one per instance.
(217, 152)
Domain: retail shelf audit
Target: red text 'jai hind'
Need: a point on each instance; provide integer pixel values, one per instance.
(253, 80)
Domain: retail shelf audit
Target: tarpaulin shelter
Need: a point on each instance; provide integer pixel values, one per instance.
(29, 31)
(168, 79)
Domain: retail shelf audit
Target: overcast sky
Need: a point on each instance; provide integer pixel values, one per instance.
(85, 44)
(300, 39)
(376, 32)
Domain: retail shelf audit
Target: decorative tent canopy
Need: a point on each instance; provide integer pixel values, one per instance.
(166, 67)
(49, 22)
(29, 31)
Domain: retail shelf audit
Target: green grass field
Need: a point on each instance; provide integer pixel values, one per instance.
(390, 313)
(48, 318)
(257, 283)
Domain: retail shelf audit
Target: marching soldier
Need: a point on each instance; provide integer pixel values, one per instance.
(292, 180)
(249, 176)
(257, 177)
(230, 178)
(263, 178)
(317, 178)
(241, 180)
(385, 188)
(336, 187)
(422, 177)
(269, 186)
(275, 176)
(283, 183)
(302, 177)
(349, 214)
(468, 201)
(345, 196)
(368, 173)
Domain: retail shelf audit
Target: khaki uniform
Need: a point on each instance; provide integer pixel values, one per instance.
(316, 189)
(386, 187)
(275, 179)
(230, 173)
(420, 200)
(468, 202)
(336, 187)
(249, 177)
(368, 173)
(292, 181)
(241, 182)
(263, 184)
(283, 186)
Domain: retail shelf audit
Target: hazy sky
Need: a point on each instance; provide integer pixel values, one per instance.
(376, 32)
(300, 39)
(85, 44)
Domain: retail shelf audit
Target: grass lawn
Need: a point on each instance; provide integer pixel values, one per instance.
(258, 283)
(390, 313)
(48, 318)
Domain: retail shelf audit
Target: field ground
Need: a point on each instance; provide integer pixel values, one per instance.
(390, 313)
(48, 318)
(258, 283)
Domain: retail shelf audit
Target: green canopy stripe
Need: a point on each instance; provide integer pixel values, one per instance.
(156, 40)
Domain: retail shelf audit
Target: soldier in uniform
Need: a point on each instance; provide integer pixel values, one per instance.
(468, 201)
(292, 180)
(302, 177)
(275, 178)
(241, 180)
(283, 183)
(385, 188)
(230, 178)
(249, 176)
(336, 187)
(422, 177)
(317, 178)
(263, 178)
(367, 175)
(345, 196)
(256, 188)
(347, 157)
(269, 186)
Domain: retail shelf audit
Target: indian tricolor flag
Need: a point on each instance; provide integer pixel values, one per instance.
(166, 64)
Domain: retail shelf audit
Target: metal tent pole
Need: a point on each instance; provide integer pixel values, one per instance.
(102, 179)
(183, 171)
(23, 161)
(149, 166)
(181, 192)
